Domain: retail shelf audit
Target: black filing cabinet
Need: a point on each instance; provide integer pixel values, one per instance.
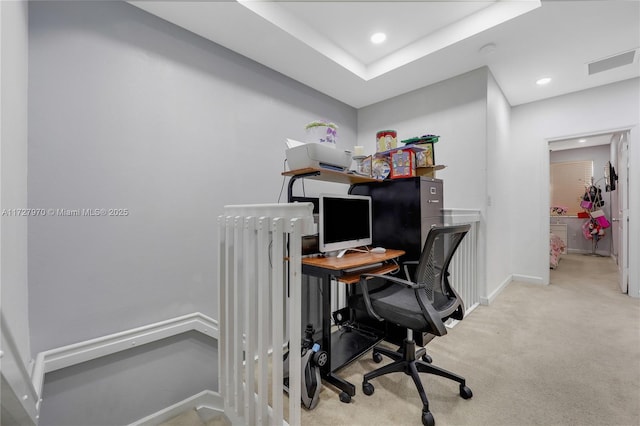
(404, 210)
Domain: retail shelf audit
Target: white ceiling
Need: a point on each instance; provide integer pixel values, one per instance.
(325, 44)
(581, 142)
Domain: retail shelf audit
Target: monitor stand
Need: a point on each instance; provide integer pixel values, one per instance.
(342, 252)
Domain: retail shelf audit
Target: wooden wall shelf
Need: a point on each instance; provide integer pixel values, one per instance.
(328, 176)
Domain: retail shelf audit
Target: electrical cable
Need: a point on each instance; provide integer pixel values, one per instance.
(284, 179)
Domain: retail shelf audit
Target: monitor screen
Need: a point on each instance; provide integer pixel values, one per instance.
(344, 222)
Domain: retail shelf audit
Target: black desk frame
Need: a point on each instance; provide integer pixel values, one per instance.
(341, 352)
(333, 346)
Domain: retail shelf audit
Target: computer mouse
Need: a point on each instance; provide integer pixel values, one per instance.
(378, 250)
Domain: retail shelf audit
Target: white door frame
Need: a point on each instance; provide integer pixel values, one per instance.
(634, 211)
(622, 169)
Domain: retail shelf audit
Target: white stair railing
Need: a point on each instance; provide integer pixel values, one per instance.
(464, 269)
(260, 251)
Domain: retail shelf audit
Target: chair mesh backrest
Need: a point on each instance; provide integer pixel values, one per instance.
(439, 248)
(428, 275)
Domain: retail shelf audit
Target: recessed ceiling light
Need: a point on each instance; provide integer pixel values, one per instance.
(582, 140)
(543, 81)
(378, 38)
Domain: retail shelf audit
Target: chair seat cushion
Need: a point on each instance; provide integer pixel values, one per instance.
(398, 304)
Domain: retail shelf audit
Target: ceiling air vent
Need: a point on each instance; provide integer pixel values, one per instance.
(616, 61)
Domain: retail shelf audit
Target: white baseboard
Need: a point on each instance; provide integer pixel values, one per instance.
(207, 403)
(471, 308)
(66, 356)
(514, 277)
(577, 251)
(489, 299)
(527, 279)
(450, 323)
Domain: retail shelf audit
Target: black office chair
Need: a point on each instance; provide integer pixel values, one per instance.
(422, 304)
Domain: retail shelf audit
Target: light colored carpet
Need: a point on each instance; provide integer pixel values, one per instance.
(563, 354)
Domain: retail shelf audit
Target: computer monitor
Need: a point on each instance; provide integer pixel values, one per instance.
(344, 222)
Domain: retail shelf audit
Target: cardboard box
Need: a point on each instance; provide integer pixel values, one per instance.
(429, 171)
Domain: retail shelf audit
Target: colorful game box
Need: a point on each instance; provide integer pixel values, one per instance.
(403, 163)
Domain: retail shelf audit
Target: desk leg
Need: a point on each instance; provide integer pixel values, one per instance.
(348, 389)
(326, 319)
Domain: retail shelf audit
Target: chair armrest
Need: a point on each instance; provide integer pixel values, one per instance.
(365, 290)
(367, 299)
(393, 279)
(432, 316)
(405, 266)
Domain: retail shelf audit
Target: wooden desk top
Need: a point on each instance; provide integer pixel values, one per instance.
(351, 260)
(355, 260)
(352, 178)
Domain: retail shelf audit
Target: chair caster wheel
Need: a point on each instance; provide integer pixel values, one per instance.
(465, 392)
(377, 358)
(367, 388)
(345, 397)
(427, 419)
(426, 358)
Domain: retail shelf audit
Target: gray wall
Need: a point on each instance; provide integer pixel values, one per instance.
(13, 169)
(472, 117)
(92, 393)
(500, 209)
(600, 157)
(128, 111)
(593, 111)
(13, 228)
(456, 110)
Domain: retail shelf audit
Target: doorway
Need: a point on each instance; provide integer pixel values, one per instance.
(607, 151)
